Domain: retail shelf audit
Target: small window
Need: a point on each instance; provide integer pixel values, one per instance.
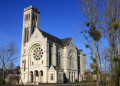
(52, 77)
(27, 17)
(24, 64)
(32, 63)
(60, 77)
(24, 75)
(41, 73)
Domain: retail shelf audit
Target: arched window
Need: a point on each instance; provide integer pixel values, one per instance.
(36, 72)
(26, 35)
(33, 28)
(59, 59)
(71, 57)
(71, 61)
(24, 64)
(33, 17)
(41, 73)
(60, 77)
(52, 77)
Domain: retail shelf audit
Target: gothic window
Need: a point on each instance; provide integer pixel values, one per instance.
(41, 73)
(33, 28)
(24, 64)
(71, 61)
(24, 75)
(36, 72)
(27, 17)
(60, 77)
(71, 57)
(37, 53)
(26, 35)
(52, 77)
(34, 17)
(59, 59)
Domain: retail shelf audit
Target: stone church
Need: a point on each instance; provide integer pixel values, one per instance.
(46, 58)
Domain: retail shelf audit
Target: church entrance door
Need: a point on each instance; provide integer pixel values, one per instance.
(31, 79)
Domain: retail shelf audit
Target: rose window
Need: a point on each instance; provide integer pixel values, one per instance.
(37, 53)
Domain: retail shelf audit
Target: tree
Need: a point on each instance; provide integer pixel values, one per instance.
(112, 19)
(11, 65)
(109, 27)
(7, 54)
(90, 11)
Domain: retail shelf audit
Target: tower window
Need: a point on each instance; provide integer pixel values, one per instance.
(33, 28)
(34, 18)
(26, 35)
(27, 17)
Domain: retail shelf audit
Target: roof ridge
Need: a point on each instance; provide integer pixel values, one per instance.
(54, 39)
(66, 38)
(49, 34)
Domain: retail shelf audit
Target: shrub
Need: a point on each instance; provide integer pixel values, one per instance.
(76, 80)
(2, 82)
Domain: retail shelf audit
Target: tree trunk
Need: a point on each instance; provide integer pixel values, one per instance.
(97, 69)
(117, 35)
(111, 59)
(3, 74)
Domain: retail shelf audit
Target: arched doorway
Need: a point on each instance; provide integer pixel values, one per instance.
(72, 78)
(31, 76)
(35, 75)
(41, 76)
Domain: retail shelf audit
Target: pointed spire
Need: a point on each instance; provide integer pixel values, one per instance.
(71, 35)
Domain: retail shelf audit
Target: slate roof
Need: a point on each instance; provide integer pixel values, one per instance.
(58, 68)
(56, 40)
(65, 41)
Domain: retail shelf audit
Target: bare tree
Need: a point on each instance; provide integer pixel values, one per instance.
(11, 65)
(112, 19)
(110, 28)
(7, 53)
(90, 10)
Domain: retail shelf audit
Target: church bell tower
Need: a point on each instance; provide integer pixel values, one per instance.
(30, 22)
